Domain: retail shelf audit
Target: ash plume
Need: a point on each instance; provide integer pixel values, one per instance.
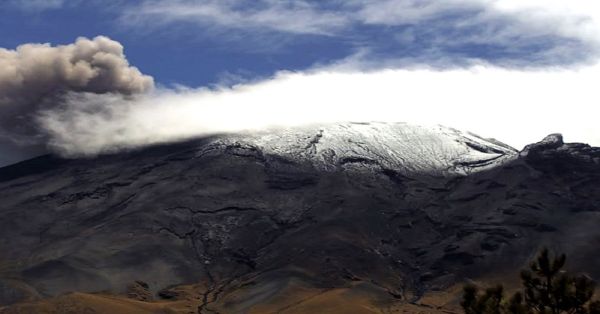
(37, 77)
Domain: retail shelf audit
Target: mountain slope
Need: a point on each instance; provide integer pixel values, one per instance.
(383, 213)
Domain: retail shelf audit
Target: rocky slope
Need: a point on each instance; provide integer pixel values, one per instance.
(372, 216)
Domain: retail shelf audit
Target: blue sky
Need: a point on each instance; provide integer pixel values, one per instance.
(177, 53)
(512, 69)
(197, 43)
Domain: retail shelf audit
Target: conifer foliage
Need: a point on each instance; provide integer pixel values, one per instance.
(547, 289)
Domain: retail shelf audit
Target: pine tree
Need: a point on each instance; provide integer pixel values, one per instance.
(547, 289)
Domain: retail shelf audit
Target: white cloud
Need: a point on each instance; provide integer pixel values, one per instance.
(399, 12)
(572, 18)
(579, 17)
(515, 106)
(286, 16)
(504, 32)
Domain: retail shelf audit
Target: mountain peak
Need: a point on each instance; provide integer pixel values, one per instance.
(553, 140)
(553, 152)
(401, 147)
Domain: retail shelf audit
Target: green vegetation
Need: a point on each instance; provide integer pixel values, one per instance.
(547, 289)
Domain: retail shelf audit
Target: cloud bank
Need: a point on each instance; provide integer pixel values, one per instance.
(36, 77)
(518, 107)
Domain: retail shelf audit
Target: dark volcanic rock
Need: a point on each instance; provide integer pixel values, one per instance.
(553, 154)
(403, 209)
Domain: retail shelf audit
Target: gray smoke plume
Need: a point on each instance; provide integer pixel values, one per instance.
(37, 77)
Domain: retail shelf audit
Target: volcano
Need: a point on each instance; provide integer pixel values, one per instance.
(331, 218)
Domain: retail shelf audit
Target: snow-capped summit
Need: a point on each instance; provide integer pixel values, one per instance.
(402, 147)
